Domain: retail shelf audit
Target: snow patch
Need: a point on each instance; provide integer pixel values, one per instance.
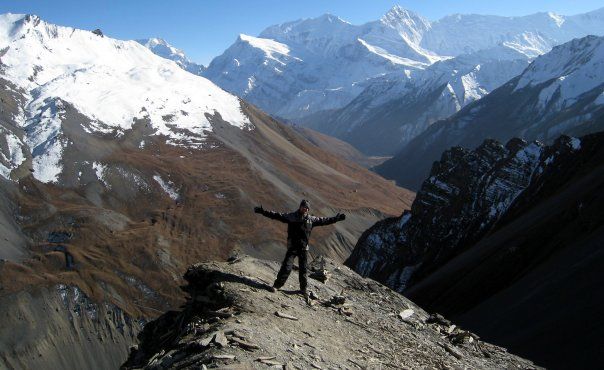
(167, 186)
(558, 19)
(404, 219)
(100, 170)
(14, 156)
(391, 57)
(399, 283)
(268, 46)
(530, 154)
(47, 164)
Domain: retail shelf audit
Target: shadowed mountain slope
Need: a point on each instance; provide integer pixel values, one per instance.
(506, 239)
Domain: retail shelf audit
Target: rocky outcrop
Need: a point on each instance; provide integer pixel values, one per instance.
(232, 319)
(502, 238)
(467, 192)
(540, 268)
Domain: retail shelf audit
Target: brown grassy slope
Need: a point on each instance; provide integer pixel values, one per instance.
(130, 247)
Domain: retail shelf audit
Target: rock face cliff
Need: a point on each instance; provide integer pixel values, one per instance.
(232, 320)
(502, 237)
(466, 193)
(60, 327)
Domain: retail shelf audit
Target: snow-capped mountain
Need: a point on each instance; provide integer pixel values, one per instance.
(392, 110)
(560, 92)
(531, 35)
(113, 83)
(165, 50)
(80, 110)
(298, 69)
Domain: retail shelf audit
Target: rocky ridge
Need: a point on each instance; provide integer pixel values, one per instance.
(502, 238)
(232, 320)
(467, 192)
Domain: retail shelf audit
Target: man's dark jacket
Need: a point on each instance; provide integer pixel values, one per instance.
(299, 226)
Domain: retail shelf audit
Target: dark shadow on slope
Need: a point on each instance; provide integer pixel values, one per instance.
(203, 278)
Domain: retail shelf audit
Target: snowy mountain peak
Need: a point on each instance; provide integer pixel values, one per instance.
(331, 18)
(398, 13)
(112, 83)
(323, 35)
(157, 45)
(314, 26)
(162, 48)
(410, 25)
(18, 21)
(571, 70)
(13, 26)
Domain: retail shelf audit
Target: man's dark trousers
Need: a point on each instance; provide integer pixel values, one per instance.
(288, 263)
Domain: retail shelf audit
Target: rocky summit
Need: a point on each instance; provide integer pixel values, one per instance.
(231, 319)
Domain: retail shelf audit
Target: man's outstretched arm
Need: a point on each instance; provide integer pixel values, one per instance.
(322, 221)
(271, 214)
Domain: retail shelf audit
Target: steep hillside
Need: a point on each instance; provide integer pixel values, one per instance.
(559, 93)
(464, 196)
(60, 327)
(118, 169)
(232, 320)
(501, 238)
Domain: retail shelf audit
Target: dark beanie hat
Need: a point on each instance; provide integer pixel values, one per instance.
(305, 203)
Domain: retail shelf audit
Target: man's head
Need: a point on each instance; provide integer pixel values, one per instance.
(304, 206)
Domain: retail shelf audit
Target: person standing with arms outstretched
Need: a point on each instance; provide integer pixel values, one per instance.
(299, 225)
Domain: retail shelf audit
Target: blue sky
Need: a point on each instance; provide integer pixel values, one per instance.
(204, 28)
